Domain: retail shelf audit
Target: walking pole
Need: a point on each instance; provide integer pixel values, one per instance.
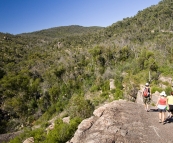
(149, 77)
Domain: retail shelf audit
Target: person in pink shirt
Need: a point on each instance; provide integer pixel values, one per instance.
(161, 105)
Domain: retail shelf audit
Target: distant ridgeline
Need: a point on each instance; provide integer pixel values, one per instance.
(69, 68)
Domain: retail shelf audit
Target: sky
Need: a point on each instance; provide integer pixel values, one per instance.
(24, 16)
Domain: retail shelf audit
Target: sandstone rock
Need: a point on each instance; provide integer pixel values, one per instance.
(155, 97)
(98, 112)
(7, 137)
(112, 86)
(139, 98)
(66, 120)
(29, 140)
(165, 79)
(50, 127)
(122, 122)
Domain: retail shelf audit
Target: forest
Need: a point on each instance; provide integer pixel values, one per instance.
(68, 69)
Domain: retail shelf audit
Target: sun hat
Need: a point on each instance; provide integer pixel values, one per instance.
(163, 93)
(147, 84)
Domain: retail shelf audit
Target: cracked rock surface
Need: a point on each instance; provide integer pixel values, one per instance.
(123, 122)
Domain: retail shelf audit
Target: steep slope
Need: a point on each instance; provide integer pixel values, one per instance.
(146, 25)
(46, 69)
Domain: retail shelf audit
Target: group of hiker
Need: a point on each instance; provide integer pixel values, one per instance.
(164, 103)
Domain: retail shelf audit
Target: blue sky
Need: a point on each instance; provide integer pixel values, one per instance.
(22, 16)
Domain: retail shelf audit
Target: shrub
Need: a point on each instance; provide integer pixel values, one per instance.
(54, 93)
(15, 140)
(104, 95)
(155, 88)
(118, 94)
(94, 88)
(98, 100)
(79, 107)
(37, 134)
(59, 71)
(62, 131)
(105, 86)
(168, 90)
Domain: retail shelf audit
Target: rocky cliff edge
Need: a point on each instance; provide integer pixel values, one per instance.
(123, 122)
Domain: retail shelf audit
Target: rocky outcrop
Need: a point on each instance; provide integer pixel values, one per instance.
(29, 140)
(111, 84)
(9, 136)
(165, 79)
(122, 122)
(66, 120)
(50, 127)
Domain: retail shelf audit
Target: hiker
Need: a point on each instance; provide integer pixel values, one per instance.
(147, 96)
(161, 105)
(170, 105)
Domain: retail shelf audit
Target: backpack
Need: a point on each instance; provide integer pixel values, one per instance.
(145, 92)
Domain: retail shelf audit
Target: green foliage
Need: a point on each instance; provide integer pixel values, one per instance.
(166, 70)
(123, 54)
(37, 134)
(147, 61)
(100, 99)
(104, 95)
(62, 131)
(118, 94)
(43, 71)
(34, 85)
(168, 90)
(15, 140)
(156, 88)
(59, 71)
(95, 88)
(118, 82)
(105, 86)
(54, 93)
(79, 107)
(95, 51)
(63, 31)
(2, 73)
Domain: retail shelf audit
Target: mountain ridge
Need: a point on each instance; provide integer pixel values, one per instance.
(56, 73)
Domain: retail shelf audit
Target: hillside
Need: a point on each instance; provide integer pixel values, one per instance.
(68, 69)
(63, 31)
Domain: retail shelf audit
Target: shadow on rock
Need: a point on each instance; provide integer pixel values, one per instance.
(169, 120)
(153, 110)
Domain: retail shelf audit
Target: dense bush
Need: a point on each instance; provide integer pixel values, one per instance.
(62, 131)
(79, 107)
(46, 72)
